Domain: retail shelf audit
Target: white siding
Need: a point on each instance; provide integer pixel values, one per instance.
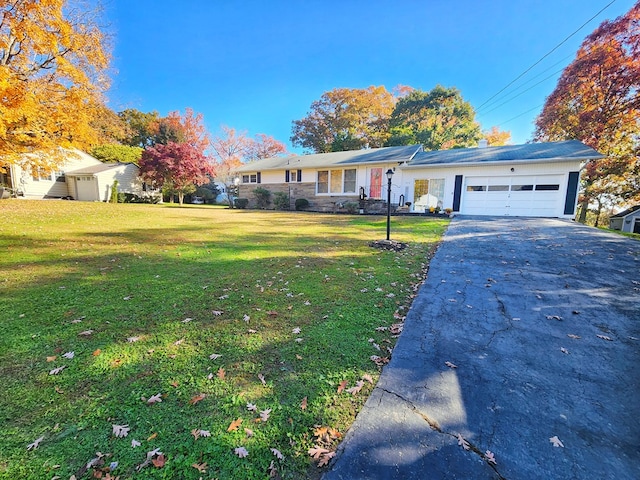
(47, 186)
(127, 177)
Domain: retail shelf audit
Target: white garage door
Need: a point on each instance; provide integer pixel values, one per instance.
(517, 196)
(86, 188)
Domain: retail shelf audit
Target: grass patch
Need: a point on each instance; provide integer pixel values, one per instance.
(290, 301)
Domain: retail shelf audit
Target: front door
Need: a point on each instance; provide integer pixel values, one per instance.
(375, 183)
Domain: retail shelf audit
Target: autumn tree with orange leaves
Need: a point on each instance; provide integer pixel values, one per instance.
(346, 119)
(53, 60)
(597, 101)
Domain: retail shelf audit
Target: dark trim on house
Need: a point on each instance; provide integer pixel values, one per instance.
(457, 193)
(572, 193)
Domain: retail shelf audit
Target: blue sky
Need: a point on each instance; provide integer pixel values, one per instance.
(257, 65)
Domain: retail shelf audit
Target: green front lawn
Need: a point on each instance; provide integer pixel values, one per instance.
(202, 330)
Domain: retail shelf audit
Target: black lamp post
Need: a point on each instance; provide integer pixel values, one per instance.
(389, 175)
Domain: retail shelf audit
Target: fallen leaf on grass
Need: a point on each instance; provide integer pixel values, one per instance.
(201, 467)
(36, 442)
(555, 441)
(57, 370)
(234, 425)
(342, 386)
(135, 443)
(272, 313)
(303, 405)
(241, 452)
(217, 313)
(197, 398)
(463, 443)
(52, 359)
(248, 432)
(69, 355)
(132, 339)
(221, 373)
(356, 389)
(316, 452)
(296, 330)
(450, 365)
(214, 356)
(179, 342)
(96, 352)
(277, 453)
(58, 390)
(251, 407)
(86, 333)
(150, 458)
(120, 431)
(380, 361)
(261, 378)
(152, 436)
(368, 378)
(159, 461)
(264, 414)
(155, 399)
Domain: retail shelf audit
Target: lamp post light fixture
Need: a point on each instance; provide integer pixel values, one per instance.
(236, 192)
(389, 175)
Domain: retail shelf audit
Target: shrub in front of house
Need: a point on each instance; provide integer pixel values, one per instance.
(241, 203)
(263, 197)
(351, 207)
(281, 201)
(302, 203)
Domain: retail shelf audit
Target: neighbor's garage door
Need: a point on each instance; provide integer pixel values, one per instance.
(520, 195)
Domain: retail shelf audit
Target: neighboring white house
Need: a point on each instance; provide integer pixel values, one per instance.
(534, 180)
(626, 221)
(80, 177)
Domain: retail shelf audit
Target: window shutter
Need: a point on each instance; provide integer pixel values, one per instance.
(299, 175)
(259, 178)
(286, 176)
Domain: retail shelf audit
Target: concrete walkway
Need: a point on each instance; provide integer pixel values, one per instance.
(542, 320)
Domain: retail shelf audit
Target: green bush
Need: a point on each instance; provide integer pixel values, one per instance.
(263, 197)
(241, 202)
(114, 192)
(351, 207)
(302, 203)
(281, 201)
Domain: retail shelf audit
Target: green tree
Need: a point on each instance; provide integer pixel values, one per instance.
(113, 153)
(139, 127)
(438, 119)
(597, 101)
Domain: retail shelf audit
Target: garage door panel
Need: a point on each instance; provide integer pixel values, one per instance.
(518, 195)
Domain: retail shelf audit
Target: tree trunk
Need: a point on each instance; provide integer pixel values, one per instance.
(180, 197)
(584, 206)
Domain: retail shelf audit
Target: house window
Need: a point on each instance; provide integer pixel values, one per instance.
(428, 193)
(251, 178)
(336, 181)
(39, 174)
(547, 187)
(292, 176)
(59, 176)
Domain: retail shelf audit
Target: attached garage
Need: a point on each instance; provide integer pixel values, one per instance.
(531, 180)
(518, 196)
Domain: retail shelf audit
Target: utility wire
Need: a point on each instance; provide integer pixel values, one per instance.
(521, 93)
(519, 87)
(547, 54)
(523, 113)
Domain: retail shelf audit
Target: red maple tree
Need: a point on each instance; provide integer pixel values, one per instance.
(179, 166)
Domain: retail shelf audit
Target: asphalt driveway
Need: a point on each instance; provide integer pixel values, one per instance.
(539, 321)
